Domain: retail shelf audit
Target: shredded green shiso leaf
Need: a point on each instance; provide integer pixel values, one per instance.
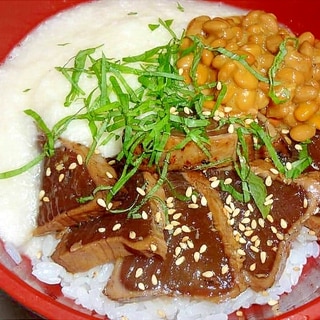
(147, 114)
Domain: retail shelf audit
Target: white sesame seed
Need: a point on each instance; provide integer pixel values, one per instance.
(169, 200)
(180, 260)
(41, 194)
(280, 236)
(173, 110)
(268, 181)
(289, 165)
(175, 223)
(144, 215)
(48, 172)
(253, 224)
(214, 184)
(187, 110)
(224, 269)
(274, 171)
(252, 267)
(305, 203)
(183, 245)
(235, 212)
(250, 207)
(263, 256)
(154, 280)
(109, 205)
(185, 229)
(283, 223)
(204, 201)
(177, 231)
(45, 199)
(254, 248)
(228, 181)
(72, 166)
(270, 218)
(231, 128)
(241, 252)
(194, 198)
(101, 203)
(196, 256)
(203, 248)
(153, 247)
(141, 191)
(169, 227)
(208, 274)
(177, 251)
(268, 202)
(79, 159)
(101, 229)
(141, 286)
(298, 147)
(139, 273)
(116, 227)
(190, 244)
(132, 235)
(219, 85)
(189, 192)
(227, 109)
(261, 222)
(109, 175)
(177, 216)
(193, 206)
(245, 220)
(206, 113)
(61, 177)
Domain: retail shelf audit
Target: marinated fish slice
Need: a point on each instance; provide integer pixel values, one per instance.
(66, 179)
(111, 236)
(197, 263)
(222, 149)
(265, 242)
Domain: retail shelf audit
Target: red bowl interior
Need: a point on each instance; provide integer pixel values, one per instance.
(17, 18)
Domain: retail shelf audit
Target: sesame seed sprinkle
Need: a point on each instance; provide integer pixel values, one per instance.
(154, 280)
(141, 286)
(208, 274)
(41, 194)
(144, 215)
(61, 177)
(189, 192)
(153, 247)
(45, 199)
(72, 166)
(79, 159)
(116, 227)
(48, 172)
(141, 191)
(224, 269)
(101, 203)
(274, 171)
(203, 248)
(138, 273)
(132, 235)
(180, 260)
(101, 229)
(109, 175)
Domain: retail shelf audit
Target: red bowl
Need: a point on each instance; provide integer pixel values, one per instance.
(19, 17)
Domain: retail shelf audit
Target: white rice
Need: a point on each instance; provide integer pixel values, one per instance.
(32, 66)
(86, 288)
